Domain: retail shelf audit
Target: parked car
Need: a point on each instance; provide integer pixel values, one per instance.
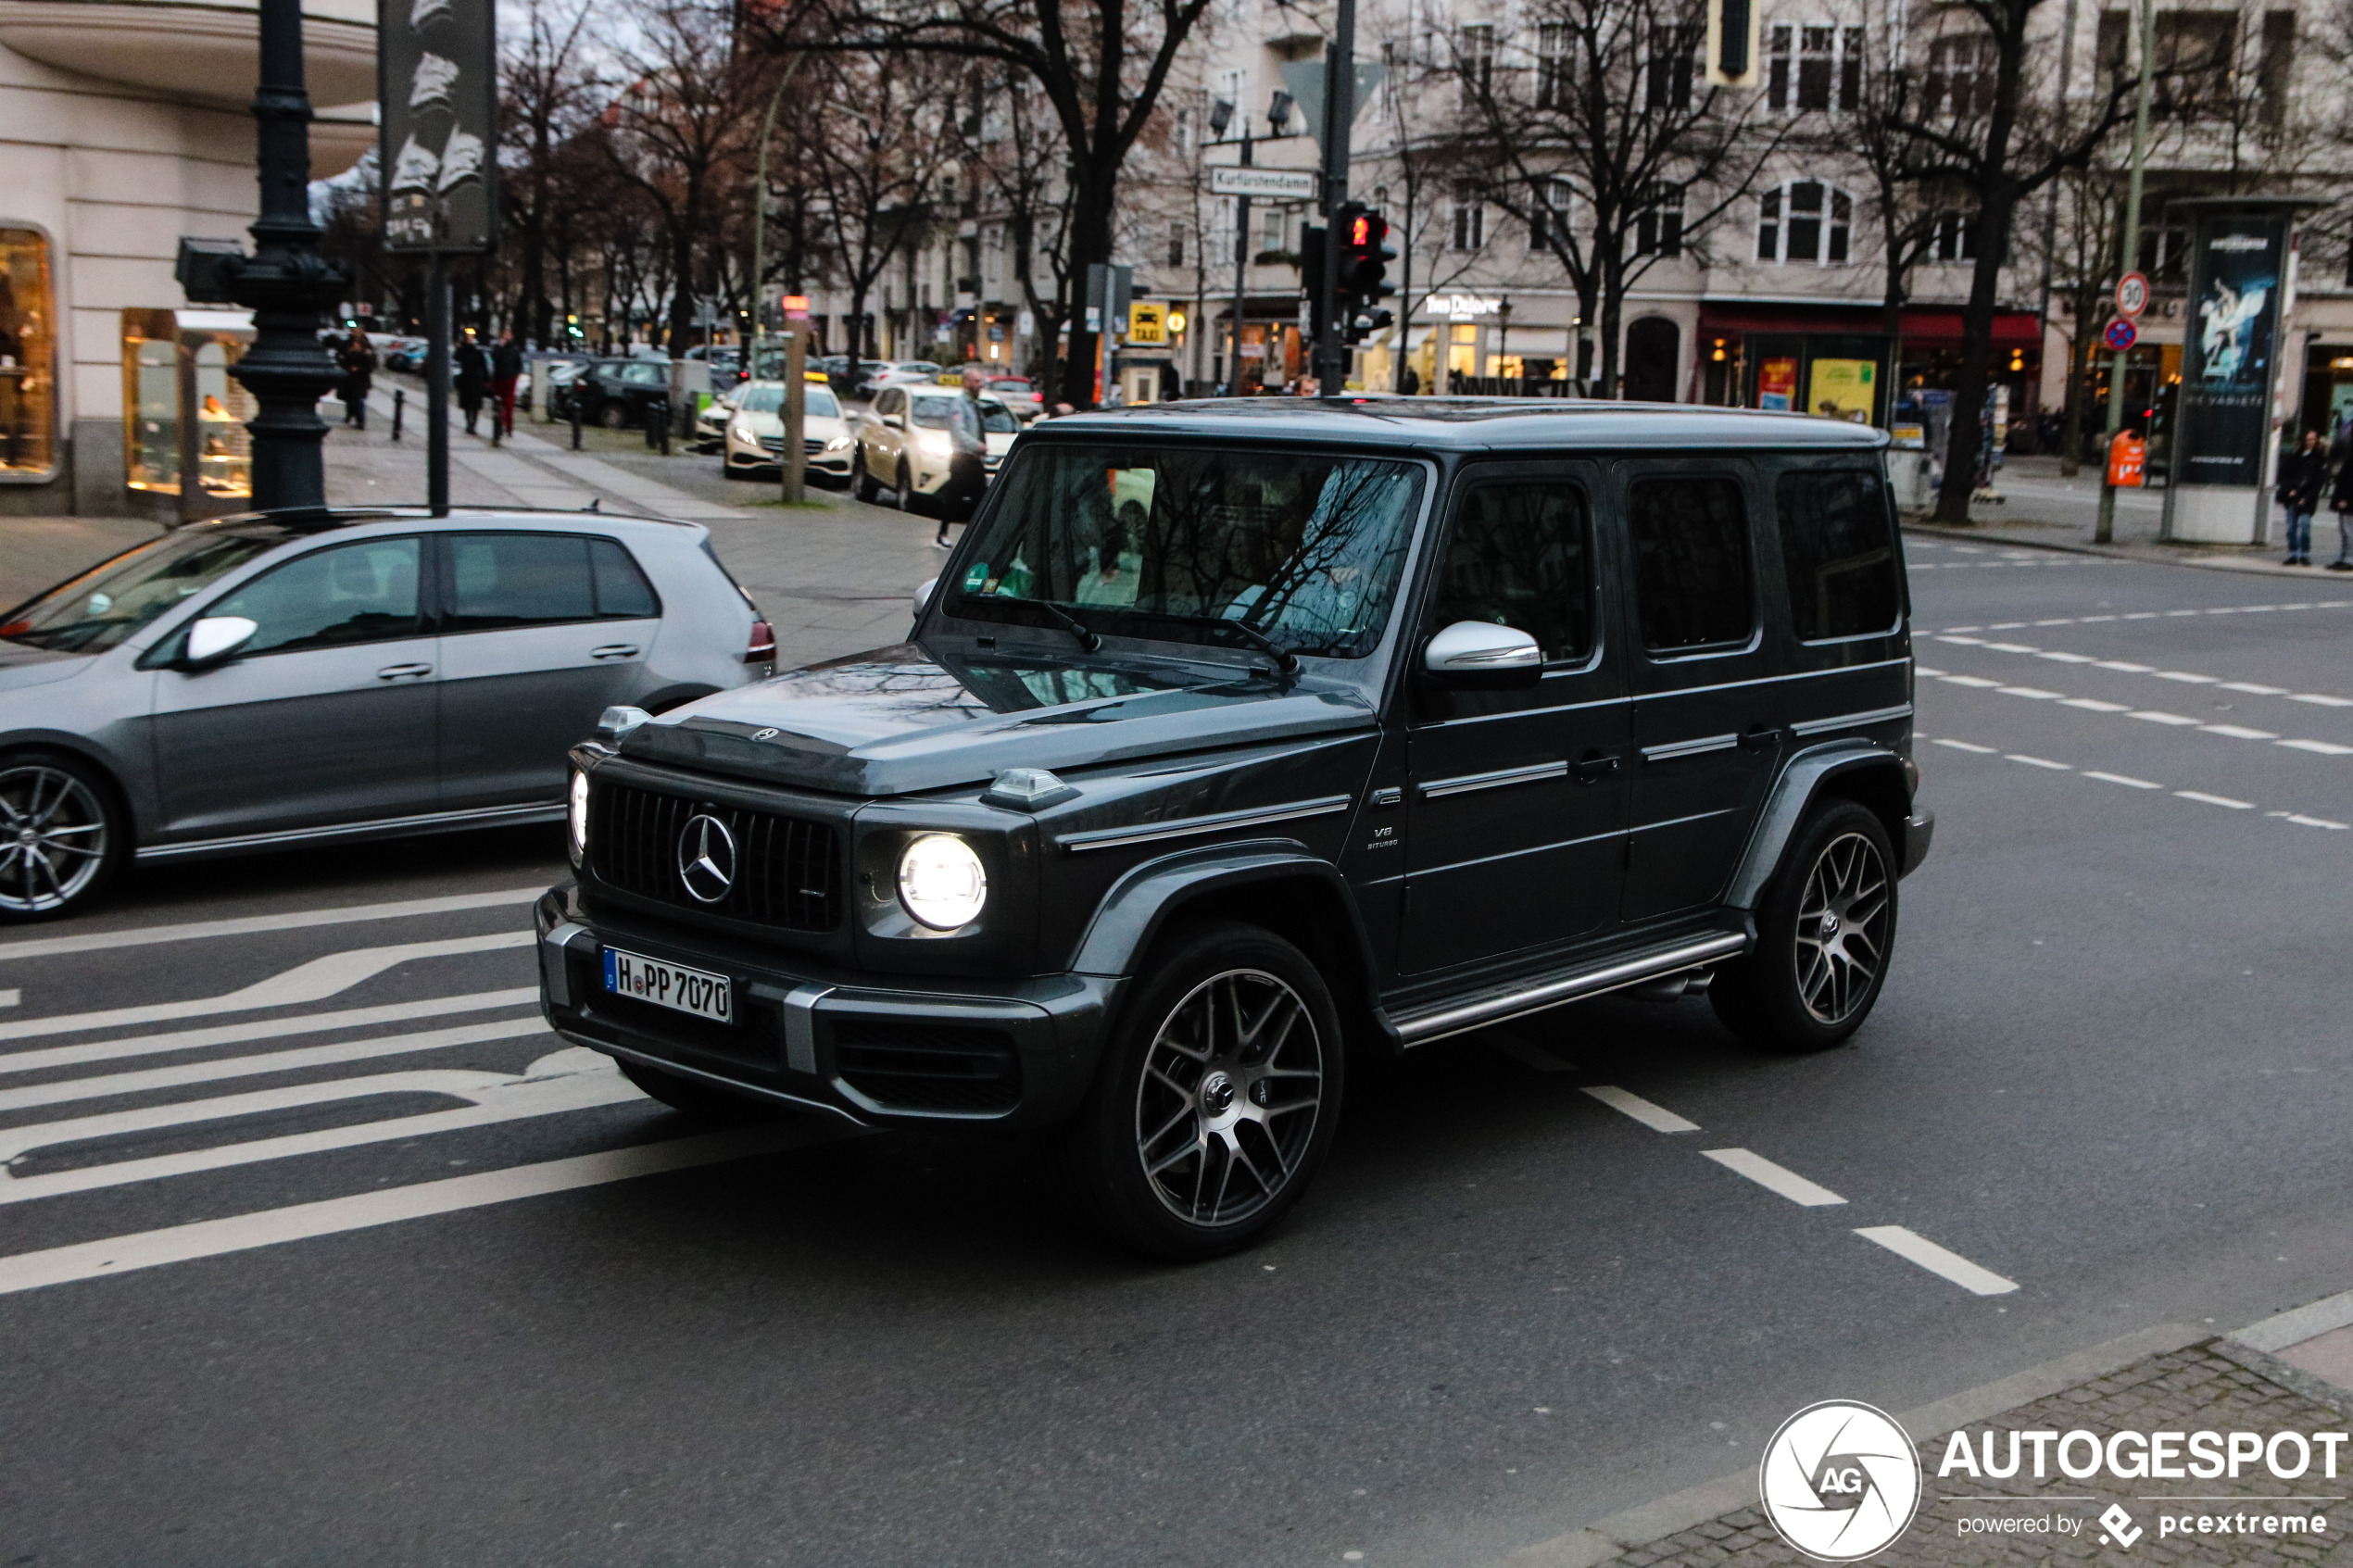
(395, 352)
(1020, 395)
(1348, 730)
(710, 419)
(725, 361)
(614, 392)
(283, 680)
(874, 377)
(902, 442)
(755, 434)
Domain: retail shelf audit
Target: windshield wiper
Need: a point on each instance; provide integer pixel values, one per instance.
(1059, 617)
(1285, 660)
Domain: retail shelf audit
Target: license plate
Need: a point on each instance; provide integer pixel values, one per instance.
(670, 985)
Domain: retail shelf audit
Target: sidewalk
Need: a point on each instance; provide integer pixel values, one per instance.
(2291, 1372)
(2041, 510)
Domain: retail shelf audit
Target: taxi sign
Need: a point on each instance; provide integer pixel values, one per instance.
(2120, 333)
(1147, 322)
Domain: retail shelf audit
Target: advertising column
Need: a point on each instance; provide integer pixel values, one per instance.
(2238, 272)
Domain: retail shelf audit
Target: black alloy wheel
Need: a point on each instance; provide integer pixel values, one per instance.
(62, 837)
(1826, 930)
(1217, 1094)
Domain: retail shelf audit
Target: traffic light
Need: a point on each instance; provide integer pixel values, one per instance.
(1364, 256)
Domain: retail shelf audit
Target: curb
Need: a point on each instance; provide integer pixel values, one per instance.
(1639, 1526)
(2145, 556)
(2253, 1348)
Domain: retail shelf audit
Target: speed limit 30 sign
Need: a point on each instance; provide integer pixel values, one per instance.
(2131, 293)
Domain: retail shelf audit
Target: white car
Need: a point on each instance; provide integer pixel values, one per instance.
(756, 432)
(902, 442)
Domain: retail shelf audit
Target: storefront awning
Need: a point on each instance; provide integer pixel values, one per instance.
(1924, 327)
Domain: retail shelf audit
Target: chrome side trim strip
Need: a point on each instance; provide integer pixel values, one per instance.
(800, 1028)
(1852, 721)
(1467, 783)
(480, 816)
(1187, 827)
(1506, 1005)
(1670, 693)
(1698, 748)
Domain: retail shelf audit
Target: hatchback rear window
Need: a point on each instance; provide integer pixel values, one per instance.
(504, 580)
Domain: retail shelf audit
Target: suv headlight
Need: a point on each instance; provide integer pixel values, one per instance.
(941, 881)
(579, 816)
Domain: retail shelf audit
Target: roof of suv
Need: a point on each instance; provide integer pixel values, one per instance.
(1472, 424)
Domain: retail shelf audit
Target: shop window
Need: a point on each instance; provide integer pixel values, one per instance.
(28, 356)
(1805, 221)
(184, 414)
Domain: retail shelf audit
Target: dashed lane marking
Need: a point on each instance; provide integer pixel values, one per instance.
(2128, 782)
(2147, 715)
(1914, 1247)
(2203, 798)
(241, 1233)
(295, 919)
(1658, 1118)
(2125, 779)
(2157, 614)
(1774, 1178)
(2127, 666)
(315, 981)
(261, 1029)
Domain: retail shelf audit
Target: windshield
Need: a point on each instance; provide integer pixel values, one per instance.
(931, 413)
(768, 398)
(99, 609)
(1304, 548)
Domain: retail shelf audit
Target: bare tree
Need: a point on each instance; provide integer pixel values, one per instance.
(544, 95)
(1013, 146)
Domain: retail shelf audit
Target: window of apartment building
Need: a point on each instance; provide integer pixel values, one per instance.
(1552, 66)
(1475, 62)
(1671, 65)
(2191, 79)
(1469, 216)
(1272, 229)
(1805, 221)
(2164, 252)
(1177, 243)
(2278, 63)
(1548, 216)
(1813, 65)
(1952, 237)
(1658, 226)
(1960, 75)
(28, 356)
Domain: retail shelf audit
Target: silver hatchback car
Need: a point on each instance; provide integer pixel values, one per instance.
(279, 679)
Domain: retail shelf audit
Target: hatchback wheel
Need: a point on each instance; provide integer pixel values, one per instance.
(1825, 933)
(1217, 1094)
(908, 500)
(865, 486)
(61, 836)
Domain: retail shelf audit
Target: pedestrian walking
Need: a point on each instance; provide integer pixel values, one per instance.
(967, 460)
(357, 360)
(2304, 475)
(2341, 503)
(474, 379)
(506, 369)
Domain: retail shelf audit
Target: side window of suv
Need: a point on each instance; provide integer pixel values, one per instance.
(1839, 553)
(1692, 578)
(1521, 555)
(361, 593)
(501, 580)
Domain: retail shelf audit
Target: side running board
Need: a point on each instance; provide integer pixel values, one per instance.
(1516, 998)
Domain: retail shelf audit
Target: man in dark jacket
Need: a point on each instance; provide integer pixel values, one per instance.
(968, 456)
(474, 379)
(2304, 476)
(358, 362)
(506, 369)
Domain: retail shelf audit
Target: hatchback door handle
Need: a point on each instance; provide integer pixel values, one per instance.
(1759, 737)
(1594, 767)
(614, 650)
(403, 672)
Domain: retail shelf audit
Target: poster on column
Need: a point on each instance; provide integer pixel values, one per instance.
(2237, 265)
(437, 84)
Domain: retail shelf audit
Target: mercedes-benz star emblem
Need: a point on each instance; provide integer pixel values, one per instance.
(705, 858)
(765, 735)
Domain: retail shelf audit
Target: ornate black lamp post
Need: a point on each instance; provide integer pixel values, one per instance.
(287, 283)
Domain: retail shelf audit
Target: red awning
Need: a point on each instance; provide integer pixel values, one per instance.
(1923, 326)
(1941, 329)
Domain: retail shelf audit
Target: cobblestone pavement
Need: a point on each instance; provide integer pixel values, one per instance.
(2199, 1388)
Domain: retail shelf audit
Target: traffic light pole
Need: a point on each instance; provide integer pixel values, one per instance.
(1241, 274)
(1339, 115)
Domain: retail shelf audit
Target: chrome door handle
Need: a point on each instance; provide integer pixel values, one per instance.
(614, 650)
(1594, 767)
(403, 672)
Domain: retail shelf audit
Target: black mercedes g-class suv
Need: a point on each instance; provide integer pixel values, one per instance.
(1239, 737)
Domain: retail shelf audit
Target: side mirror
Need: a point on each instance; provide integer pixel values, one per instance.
(1474, 653)
(896, 422)
(213, 639)
(922, 594)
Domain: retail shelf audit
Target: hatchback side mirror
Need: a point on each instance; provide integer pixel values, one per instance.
(1476, 653)
(212, 640)
(922, 594)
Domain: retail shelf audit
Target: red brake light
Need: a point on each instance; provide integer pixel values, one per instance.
(764, 643)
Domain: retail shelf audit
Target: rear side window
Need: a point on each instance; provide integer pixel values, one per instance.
(500, 579)
(361, 593)
(1521, 555)
(1838, 552)
(1692, 569)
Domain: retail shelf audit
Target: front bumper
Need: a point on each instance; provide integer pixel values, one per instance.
(1919, 830)
(870, 1050)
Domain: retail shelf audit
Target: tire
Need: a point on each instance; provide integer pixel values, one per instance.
(613, 416)
(1171, 1131)
(692, 1096)
(908, 500)
(863, 480)
(63, 838)
(1798, 991)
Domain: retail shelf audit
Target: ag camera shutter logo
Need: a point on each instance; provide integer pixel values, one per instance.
(1840, 1481)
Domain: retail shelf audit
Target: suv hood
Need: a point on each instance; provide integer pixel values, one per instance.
(900, 721)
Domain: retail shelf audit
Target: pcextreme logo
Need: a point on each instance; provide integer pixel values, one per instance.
(1840, 1481)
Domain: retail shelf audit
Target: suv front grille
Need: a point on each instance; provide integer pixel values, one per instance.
(927, 1066)
(788, 871)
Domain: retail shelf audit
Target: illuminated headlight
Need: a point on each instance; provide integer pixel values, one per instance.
(941, 881)
(741, 432)
(579, 814)
(838, 443)
(935, 441)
